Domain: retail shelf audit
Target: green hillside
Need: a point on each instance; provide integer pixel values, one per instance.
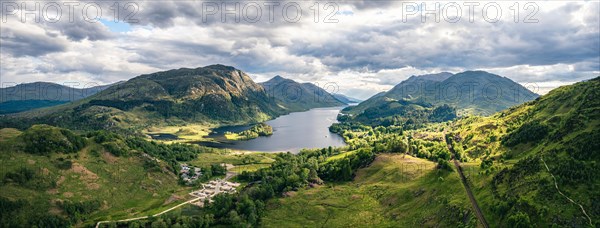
(504, 159)
(560, 130)
(409, 114)
(52, 177)
(394, 191)
(470, 92)
(211, 95)
(532, 165)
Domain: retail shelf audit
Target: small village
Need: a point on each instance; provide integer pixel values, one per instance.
(191, 174)
(212, 189)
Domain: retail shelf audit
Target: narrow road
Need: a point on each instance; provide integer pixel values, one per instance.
(463, 179)
(228, 176)
(145, 217)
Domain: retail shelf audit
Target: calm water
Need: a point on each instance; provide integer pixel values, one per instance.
(291, 132)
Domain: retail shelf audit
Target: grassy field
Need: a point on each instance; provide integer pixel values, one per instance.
(249, 167)
(185, 133)
(8, 133)
(235, 158)
(395, 191)
(342, 155)
(233, 136)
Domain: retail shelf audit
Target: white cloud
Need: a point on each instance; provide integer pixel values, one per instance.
(369, 50)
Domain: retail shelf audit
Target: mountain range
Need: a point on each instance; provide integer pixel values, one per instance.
(470, 92)
(28, 96)
(294, 96)
(224, 95)
(48, 91)
(214, 94)
(346, 99)
(534, 163)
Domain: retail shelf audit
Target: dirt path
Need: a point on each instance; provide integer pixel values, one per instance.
(228, 176)
(463, 179)
(145, 217)
(570, 200)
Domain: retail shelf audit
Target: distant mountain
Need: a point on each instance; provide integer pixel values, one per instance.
(294, 96)
(28, 96)
(47, 91)
(435, 77)
(345, 99)
(26, 105)
(473, 92)
(214, 94)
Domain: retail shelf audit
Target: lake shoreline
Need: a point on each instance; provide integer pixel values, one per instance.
(291, 133)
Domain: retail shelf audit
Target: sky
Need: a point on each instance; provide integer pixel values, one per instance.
(359, 47)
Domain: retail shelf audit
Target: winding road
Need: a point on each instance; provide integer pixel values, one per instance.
(228, 176)
(145, 217)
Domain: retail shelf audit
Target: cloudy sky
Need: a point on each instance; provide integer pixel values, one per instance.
(363, 47)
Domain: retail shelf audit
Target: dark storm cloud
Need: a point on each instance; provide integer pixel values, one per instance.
(31, 38)
(593, 65)
(73, 24)
(168, 54)
(158, 13)
(369, 38)
(81, 29)
(88, 67)
(551, 50)
(370, 4)
(18, 43)
(273, 14)
(552, 41)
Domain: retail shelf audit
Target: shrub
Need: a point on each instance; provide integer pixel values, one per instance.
(105, 136)
(63, 164)
(151, 165)
(218, 169)
(20, 176)
(585, 146)
(343, 169)
(444, 165)
(116, 148)
(519, 220)
(442, 113)
(486, 163)
(80, 210)
(29, 178)
(527, 133)
(45, 139)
